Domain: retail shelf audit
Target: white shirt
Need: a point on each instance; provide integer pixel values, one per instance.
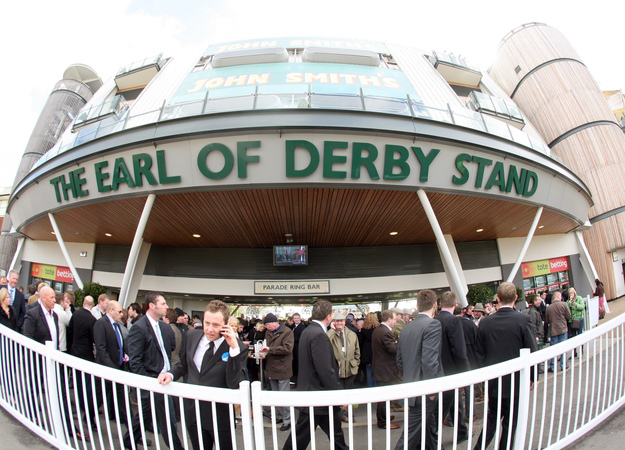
(157, 332)
(64, 316)
(96, 312)
(51, 325)
(202, 347)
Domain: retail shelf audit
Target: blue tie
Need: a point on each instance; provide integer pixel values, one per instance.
(118, 335)
(12, 291)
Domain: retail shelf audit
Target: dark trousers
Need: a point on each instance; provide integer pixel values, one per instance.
(111, 392)
(159, 410)
(415, 423)
(381, 406)
(491, 425)
(448, 408)
(208, 438)
(302, 430)
(85, 397)
(206, 423)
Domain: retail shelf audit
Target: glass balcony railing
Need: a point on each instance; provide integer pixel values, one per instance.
(140, 64)
(290, 97)
(114, 105)
(452, 59)
(495, 106)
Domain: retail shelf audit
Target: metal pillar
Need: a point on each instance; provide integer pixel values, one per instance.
(134, 250)
(18, 251)
(68, 260)
(526, 244)
(450, 267)
(588, 259)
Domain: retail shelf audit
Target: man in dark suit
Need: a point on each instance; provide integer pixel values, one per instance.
(318, 371)
(298, 329)
(80, 344)
(211, 357)
(41, 323)
(17, 298)
(150, 343)
(110, 351)
(453, 356)
(384, 366)
(418, 357)
(500, 338)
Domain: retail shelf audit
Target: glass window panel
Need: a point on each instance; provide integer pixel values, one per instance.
(520, 137)
(230, 104)
(500, 106)
(540, 281)
(388, 105)
(236, 91)
(298, 88)
(483, 101)
(467, 118)
(514, 111)
(336, 101)
(497, 127)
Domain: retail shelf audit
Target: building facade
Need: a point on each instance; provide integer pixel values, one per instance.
(388, 170)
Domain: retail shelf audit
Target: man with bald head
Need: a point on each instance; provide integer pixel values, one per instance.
(41, 323)
(110, 351)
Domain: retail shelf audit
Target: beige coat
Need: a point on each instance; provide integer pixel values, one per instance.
(349, 360)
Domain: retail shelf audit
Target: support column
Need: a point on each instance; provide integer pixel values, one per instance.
(68, 260)
(586, 260)
(135, 281)
(134, 250)
(526, 244)
(450, 268)
(18, 252)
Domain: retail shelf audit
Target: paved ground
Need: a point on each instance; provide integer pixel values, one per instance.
(14, 436)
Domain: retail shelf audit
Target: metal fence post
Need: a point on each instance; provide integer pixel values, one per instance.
(52, 392)
(524, 400)
(259, 431)
(246, 415)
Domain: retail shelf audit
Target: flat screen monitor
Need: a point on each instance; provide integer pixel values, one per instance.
(290, 255)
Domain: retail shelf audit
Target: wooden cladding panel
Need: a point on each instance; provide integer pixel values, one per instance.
(528, 48)
(560, 97)
(603, 170)
(90, 223)
(317, 217)
(606, 235)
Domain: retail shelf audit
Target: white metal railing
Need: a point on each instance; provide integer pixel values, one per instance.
(51, 394)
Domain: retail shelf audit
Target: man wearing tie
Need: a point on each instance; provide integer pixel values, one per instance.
(212, 357)
(150, 343)
(110, 351)
(17, 298)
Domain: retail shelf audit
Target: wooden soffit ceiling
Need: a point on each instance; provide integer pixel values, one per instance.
(318, 217)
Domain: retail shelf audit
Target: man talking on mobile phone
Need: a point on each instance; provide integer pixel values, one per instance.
(213, 356)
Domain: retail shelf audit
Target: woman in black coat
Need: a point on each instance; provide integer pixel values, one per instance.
(7, 314)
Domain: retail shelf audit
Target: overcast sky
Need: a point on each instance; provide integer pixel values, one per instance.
(41, 38)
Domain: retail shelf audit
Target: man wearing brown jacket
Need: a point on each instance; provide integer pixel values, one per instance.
(279, 362)
(558, 315)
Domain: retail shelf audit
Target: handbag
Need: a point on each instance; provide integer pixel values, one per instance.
(575, 325)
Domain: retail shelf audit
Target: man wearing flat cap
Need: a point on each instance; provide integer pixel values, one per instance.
(347, 353)
(279, 362)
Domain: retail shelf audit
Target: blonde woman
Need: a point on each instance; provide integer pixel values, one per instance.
(7, 313)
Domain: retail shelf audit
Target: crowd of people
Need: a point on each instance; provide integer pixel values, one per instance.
(328, 351)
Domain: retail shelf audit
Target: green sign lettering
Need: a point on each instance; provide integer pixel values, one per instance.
(313, 153)
(390, 162)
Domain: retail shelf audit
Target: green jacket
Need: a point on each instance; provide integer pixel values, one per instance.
(577, 308)
(349, 360)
